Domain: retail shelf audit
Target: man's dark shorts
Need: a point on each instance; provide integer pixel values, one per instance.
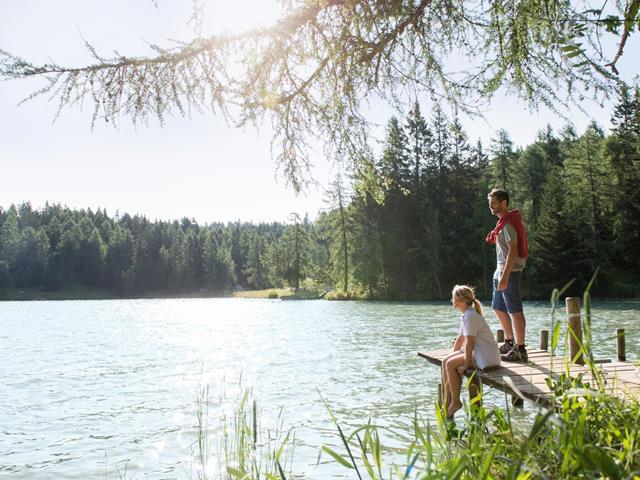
(508, 300)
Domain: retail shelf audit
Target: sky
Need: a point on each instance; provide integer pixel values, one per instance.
(197, 167)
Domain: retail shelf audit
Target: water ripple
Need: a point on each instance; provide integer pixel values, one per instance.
(93, 389)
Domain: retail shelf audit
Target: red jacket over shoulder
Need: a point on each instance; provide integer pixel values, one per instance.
(513, 217)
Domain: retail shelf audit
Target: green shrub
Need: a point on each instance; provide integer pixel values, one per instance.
(348, 295)
(273, 294)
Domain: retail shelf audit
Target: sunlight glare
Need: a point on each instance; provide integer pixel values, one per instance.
(235, 17)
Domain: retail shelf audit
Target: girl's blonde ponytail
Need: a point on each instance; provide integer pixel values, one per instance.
(477, 306)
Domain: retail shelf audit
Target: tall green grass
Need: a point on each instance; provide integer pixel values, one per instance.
(239, 446)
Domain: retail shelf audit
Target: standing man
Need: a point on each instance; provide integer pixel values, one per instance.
(510, 237)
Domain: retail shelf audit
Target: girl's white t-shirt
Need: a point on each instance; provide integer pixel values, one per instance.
(485, 347)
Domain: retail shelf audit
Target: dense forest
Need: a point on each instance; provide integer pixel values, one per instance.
(407, 224)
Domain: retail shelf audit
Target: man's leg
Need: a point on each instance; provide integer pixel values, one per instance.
(513, 301)
(500, 308)
(505, 322)
(519, 327)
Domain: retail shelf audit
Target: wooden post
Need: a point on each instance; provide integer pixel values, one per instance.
(475, 389)
(499, 335)
(575, 338)
(622, 355)
(440, 396)
(544, 340)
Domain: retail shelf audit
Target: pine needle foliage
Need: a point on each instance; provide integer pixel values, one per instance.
(314, 71)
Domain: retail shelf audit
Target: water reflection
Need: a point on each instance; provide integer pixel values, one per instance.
(90, 387)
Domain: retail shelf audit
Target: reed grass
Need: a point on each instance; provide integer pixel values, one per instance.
(241, 447)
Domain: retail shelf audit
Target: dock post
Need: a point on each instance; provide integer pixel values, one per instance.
(440, 396)
(575, 329)
(622, 355)
(499, 335)
(544, 340)
(475, 390)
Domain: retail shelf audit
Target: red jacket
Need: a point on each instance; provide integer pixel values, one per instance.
(513, 217)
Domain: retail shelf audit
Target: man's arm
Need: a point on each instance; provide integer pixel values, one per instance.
(511, 260)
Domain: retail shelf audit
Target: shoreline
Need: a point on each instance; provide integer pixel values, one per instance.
(81, 292)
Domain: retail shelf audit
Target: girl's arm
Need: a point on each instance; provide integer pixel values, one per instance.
(468, 352)
(457, 344)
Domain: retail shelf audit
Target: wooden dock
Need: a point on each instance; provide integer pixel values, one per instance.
(529, 380)
(621, 378)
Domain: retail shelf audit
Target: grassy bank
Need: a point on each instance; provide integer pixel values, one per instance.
(306, 293)
(267, 293)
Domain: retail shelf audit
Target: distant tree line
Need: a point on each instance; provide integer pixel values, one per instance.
(133, 256)
(408, 224)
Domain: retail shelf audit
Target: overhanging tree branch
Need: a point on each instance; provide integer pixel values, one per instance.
(311, 72)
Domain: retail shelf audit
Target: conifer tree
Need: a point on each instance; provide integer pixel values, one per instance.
(557, 253)
(437, 163)
(456, 204)
(254, 270)
(393, 167)
(218, 266)
(340, 229)
(394, 162)
(588, 190)
(623, 151)
(419, 142)
(368, 261)
(118, 258)
(532, 167)
(9, 241)
(296, 245)
(31, 259)
(482, 222)
(502, 157)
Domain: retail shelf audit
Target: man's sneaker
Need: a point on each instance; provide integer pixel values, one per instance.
(507, 346)
(516, 354)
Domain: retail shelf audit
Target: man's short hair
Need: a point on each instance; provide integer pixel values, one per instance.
(499, 194)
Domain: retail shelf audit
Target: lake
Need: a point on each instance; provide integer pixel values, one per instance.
(108, 388)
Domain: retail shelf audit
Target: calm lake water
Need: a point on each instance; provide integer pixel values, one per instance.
(107, 389)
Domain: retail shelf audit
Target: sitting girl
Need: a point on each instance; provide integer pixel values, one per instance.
(480, 348)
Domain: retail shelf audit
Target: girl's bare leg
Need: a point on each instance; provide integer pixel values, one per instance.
(454, 382)
(445, 378)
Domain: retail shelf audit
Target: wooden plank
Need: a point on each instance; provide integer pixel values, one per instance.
(616, 367)
(530, 379)
(628, 377)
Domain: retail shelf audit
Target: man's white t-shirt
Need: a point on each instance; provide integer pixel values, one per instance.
(502, 251)
(485, 347)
